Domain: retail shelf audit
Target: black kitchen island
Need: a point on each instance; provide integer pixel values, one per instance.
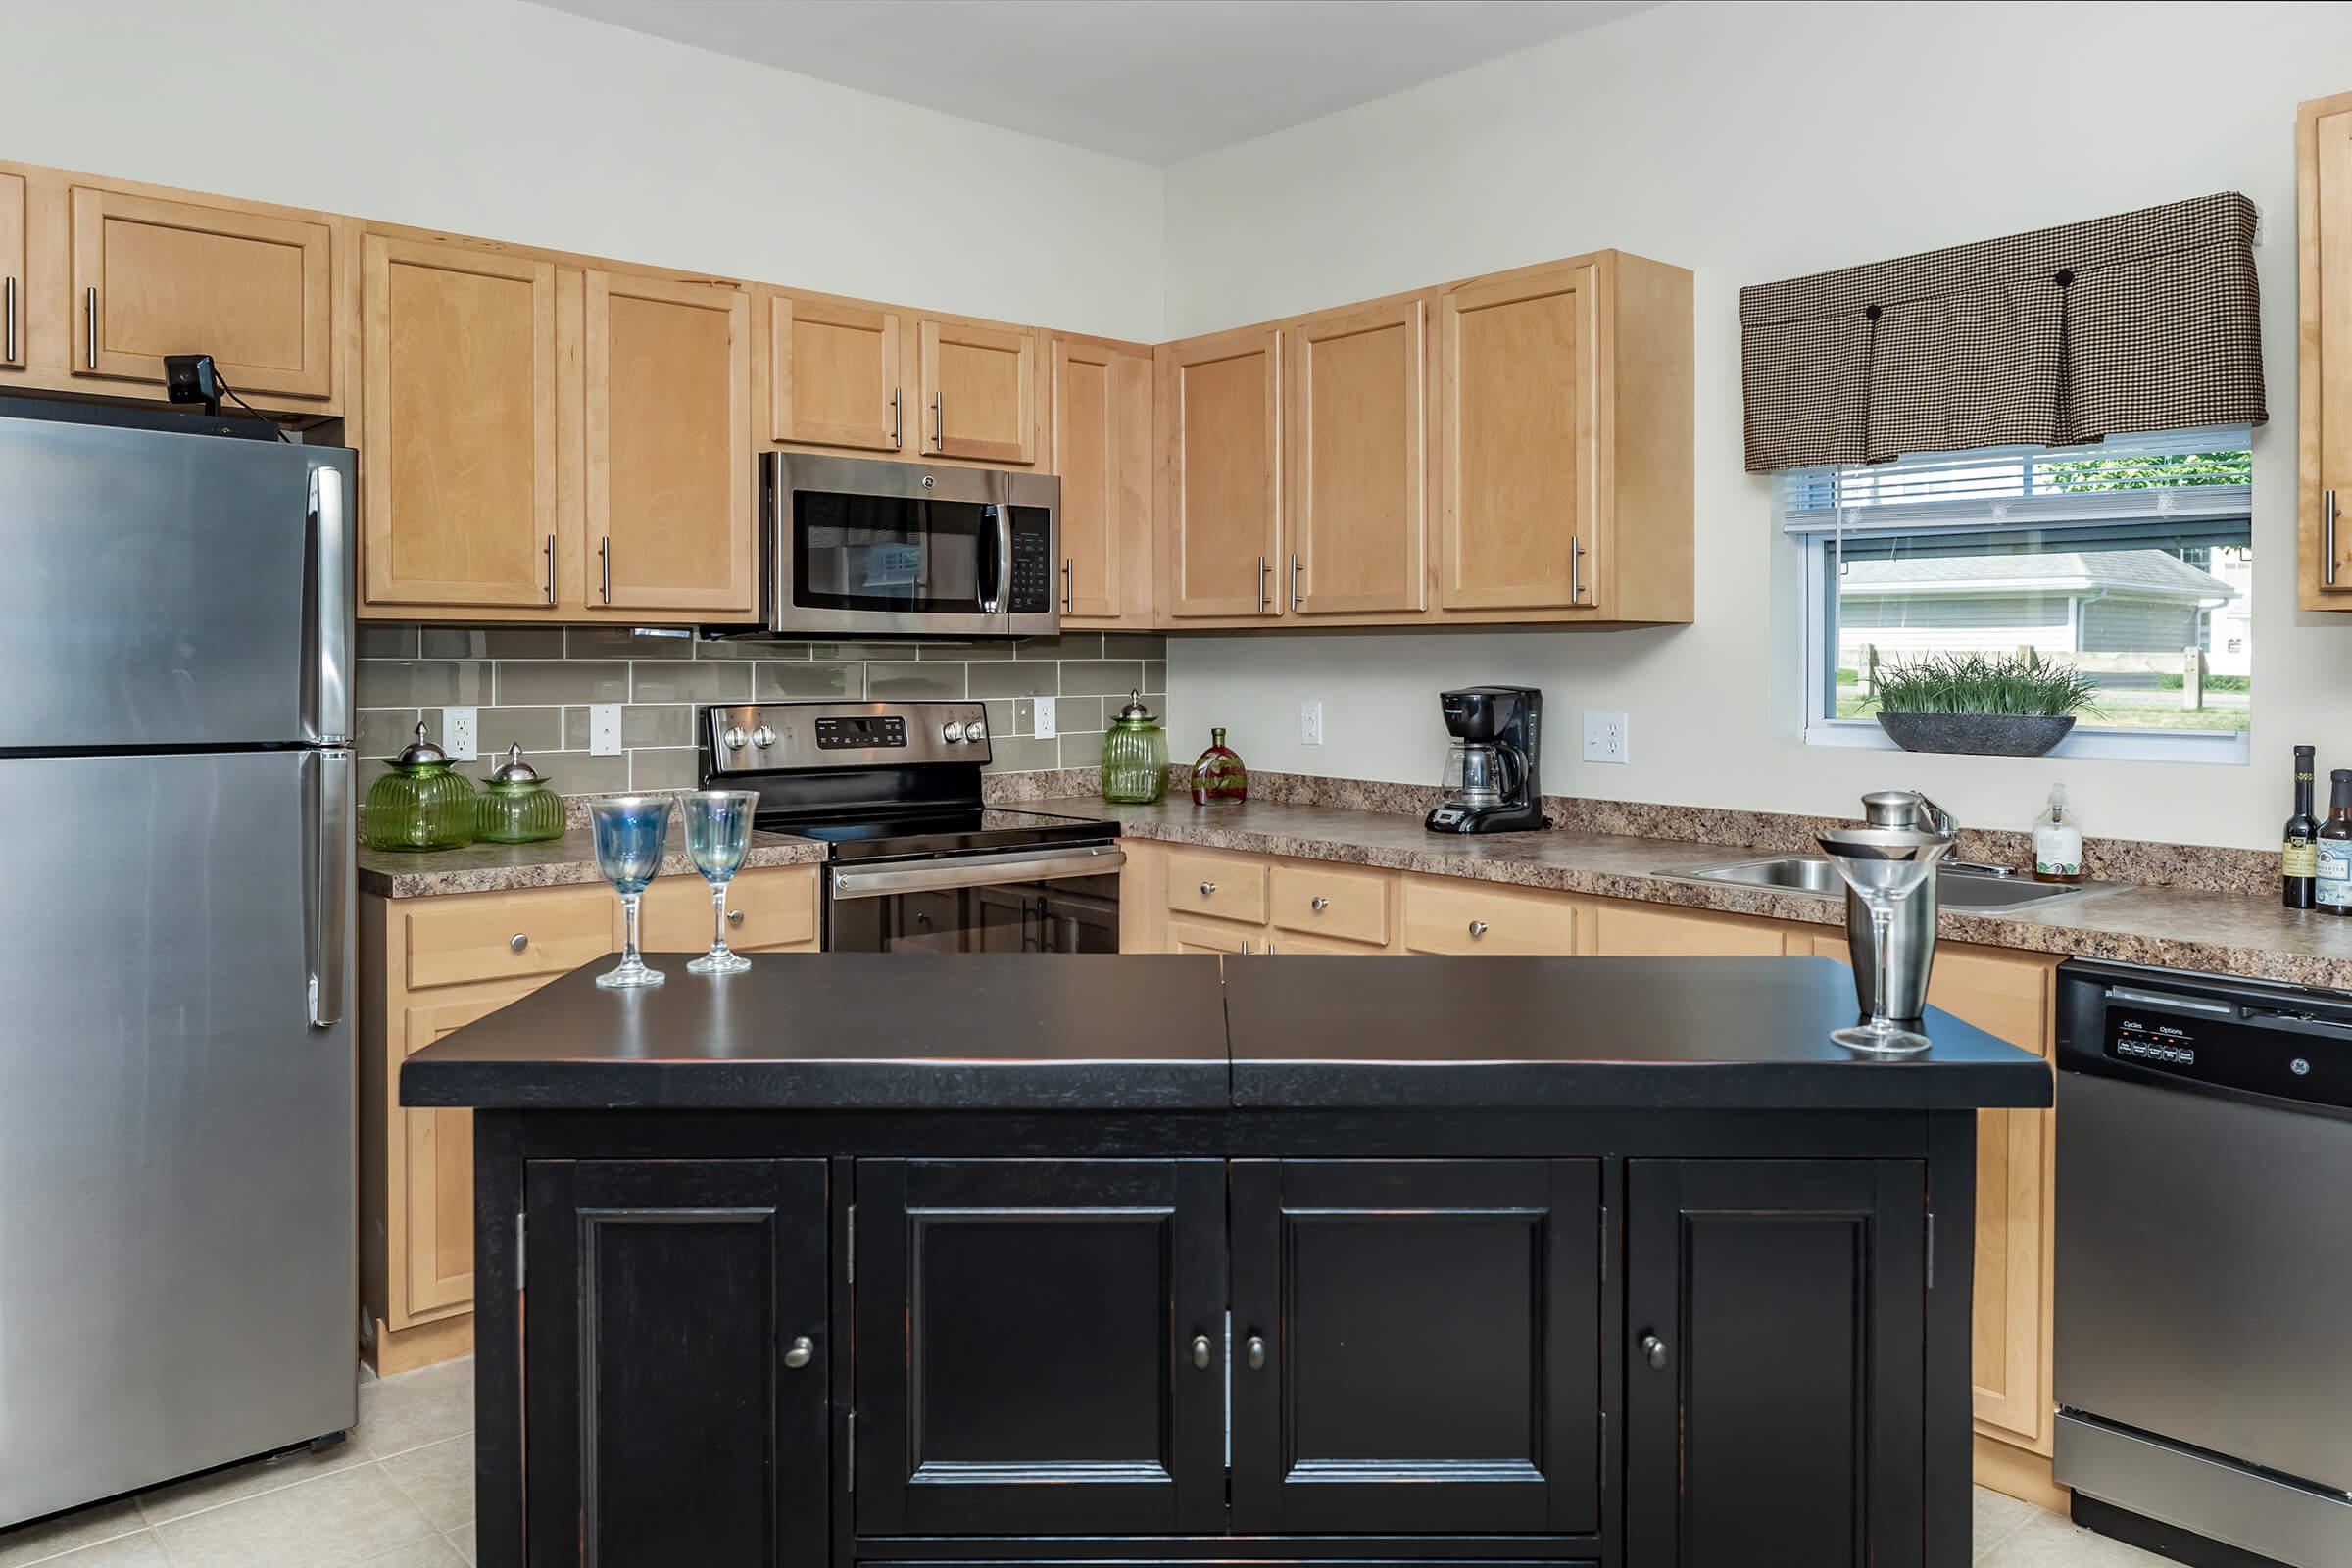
(955, 1259)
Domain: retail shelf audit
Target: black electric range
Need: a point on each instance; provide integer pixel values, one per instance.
(917, 864)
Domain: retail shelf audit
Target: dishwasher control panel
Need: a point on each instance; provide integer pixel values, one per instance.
(2282, 1052)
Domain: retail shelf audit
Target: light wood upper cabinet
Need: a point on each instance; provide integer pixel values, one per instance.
(834, 376)
(458, 444)
(1103, 448)
(2323, 131)
(1519, 468)
(668, 459)
(1220, 475)
(1357, 450)
(13, 297)
(151, 277)
(979, 390)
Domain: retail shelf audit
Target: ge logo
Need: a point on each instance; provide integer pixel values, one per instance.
(2299, 1068)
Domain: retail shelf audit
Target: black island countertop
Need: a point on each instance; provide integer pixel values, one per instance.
(1159, 1032)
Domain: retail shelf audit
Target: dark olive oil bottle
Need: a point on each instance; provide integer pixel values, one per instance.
(2299, 857)
(2334, 883)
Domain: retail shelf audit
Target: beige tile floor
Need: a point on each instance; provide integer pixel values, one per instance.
(398, 1494)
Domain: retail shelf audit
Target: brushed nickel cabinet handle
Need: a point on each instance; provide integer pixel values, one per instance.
(1576, 574)
(1297, 600)
(1318, 903)
(1256, 1352)
(803, 1352)
(1201, 1351)
(1478, 928)
(939, 422)
(90, 326)
(1245, 948)
(1069, 589)
(898, 422)
(551, 568)
(603, 562)
(517, 942)
(1261, 585)
(10, 358)
(2328, 514)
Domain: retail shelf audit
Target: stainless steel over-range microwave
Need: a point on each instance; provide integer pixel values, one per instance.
(853, 546)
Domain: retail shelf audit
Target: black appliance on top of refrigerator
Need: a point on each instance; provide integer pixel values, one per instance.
(177, 1246)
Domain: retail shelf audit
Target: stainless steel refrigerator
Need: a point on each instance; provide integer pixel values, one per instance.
(177, 1255)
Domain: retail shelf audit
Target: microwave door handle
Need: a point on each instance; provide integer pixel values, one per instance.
(1003, 558)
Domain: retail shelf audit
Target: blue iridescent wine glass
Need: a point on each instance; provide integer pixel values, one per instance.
(631, 832)
(718, 833)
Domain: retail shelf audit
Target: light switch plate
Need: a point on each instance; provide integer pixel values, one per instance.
(1605, 738)
(1041, 721)
(1310, 722)
(603, 729)
(460, 733)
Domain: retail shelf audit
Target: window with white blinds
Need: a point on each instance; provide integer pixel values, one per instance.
(2131, 560)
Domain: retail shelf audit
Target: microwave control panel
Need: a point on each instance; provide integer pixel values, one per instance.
(1032, 562)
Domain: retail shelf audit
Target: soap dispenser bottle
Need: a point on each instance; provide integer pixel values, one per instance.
(2057, 842)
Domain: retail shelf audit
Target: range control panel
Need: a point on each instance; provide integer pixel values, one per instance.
(797, 737)
(860, 731)
(2280, 1050)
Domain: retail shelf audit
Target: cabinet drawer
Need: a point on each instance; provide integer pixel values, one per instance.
(1636, 931)
(1450, 916)
(1215, 936)
(1328, 900)
(770, 907)
(1227, 887)
(505, 936)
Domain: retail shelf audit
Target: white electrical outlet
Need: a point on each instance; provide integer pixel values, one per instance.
(459, 733)
(1606, 739)
(603, 729)
(1310, 722)
(1042, 722)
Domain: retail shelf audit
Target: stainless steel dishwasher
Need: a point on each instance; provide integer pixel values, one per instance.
(2204, 1258)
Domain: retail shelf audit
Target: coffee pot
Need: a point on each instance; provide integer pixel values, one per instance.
(1489, 783)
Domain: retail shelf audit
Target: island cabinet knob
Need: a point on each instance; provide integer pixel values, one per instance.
(804, 1351)
(517, 942)
(1201, 1351)
(1653, 1349)
(1478, 928)
(1256, 1348)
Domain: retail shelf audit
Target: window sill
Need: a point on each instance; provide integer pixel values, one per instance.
(2223, 747)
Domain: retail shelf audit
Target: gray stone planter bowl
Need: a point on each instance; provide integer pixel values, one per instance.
(1976, 734)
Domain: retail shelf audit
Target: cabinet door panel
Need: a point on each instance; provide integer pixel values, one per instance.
(668, 1296)
(458, 498)
(1026, 1335)
(1431, 1346)
(151, 277)
(979, 392)
(1357, 497)
(670, 459)
(1103, 449)
(436, 1200)
(1221, 462)
(2326, 358)
(13, 297)
(1519, 451)
(1785, 1404)
(833, 376)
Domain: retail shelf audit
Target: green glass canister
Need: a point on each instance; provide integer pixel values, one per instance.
(420, 804)
(517, 806)
(1135, 756)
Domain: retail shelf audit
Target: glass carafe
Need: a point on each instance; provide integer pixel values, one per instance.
(1479, 772)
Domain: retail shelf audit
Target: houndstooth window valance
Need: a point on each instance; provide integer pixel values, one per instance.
(2146, 320)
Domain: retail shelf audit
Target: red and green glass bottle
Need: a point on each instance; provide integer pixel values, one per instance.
(1219, 775)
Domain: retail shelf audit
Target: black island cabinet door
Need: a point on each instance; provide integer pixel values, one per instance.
(1416, 1346)
(676, 1355)
(1775, 1363)
(1040, 1346)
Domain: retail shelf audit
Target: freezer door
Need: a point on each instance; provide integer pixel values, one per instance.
(177, 1256)
(163, 589)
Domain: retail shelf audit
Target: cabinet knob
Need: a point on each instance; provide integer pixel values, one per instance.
(804, 1351)
(1208, 888)
(1478, 928)
(1653, 1349)
(734, 917)
(1256, 1348)
(517, 942)
(1201, 1351)
(1318, 903)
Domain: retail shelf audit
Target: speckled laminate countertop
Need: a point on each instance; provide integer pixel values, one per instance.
(557, 863)
(2172, 927)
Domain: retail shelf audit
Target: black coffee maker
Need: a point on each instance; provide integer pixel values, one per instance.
(1489, 780)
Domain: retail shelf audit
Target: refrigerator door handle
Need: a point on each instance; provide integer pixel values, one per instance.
(330, 528)
(327, 806)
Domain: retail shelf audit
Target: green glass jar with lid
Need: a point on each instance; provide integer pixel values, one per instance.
(517, 806)
(423, 803)
(1135, 756)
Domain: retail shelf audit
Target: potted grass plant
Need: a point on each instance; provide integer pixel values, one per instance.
(1980, 704)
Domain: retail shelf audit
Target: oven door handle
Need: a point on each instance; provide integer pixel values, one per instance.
(978, 871)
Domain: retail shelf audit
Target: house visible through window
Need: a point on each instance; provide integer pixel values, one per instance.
(2132, 560)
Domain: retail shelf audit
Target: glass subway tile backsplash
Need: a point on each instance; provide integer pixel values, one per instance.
(534, 684)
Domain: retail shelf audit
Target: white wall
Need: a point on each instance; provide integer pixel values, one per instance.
(1755, 142)
(524, 123)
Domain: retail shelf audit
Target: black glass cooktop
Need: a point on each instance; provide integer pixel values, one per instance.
(937, 830)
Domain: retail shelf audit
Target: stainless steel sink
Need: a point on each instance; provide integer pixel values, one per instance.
(1954, 888)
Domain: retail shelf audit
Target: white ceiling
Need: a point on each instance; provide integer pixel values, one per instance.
(1155, 80)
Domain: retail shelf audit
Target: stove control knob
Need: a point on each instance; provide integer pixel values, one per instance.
(951, 732)
(734, 739)
(763, 737)
(974, 733)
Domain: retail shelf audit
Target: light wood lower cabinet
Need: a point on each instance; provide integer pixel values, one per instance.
(431, 965)
(1622, 930)
(1454, 914)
